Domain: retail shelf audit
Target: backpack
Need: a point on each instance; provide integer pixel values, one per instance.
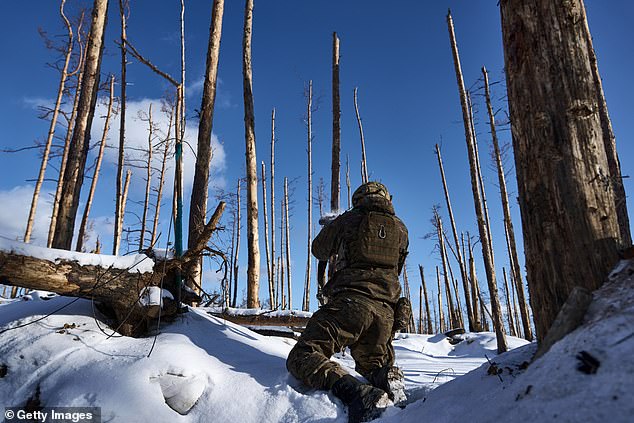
(376, 243)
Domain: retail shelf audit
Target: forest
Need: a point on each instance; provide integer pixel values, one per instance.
(146, 220)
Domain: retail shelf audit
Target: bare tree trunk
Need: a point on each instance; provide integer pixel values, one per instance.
(348, 182)
(235, 260)
(518, 329)
(565, 174)
(51, 129)
(364, 163)
(609, 140)
(489, 264)
(161, 183)
(273, 199)
(453, 320)
(309, 125)
(123, 5)
(475, 295)
(509, 312)
(436, 325)
(200, 187)
(69, 133)
(282, 266)
(420, 310)
(288, 245)
(148, 179)
(459, 253)
(124, 198)
(441, 317)
(424, 287)
(74, 171)
(266, 239)
(253, 270)
(183, 109)
(411, 323)
(95, 176)
(229, 283)
(516, 270)
(336, 127)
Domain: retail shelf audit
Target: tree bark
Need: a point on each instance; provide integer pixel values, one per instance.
(336, 128)
(453, 318)
(475, 290)
(123, 5)
(516, 270)
(51, 129)
(200, 187)
(487, 251)
(348, 183)
(572, 231)
(364, 164)
(95, 176)
(253, 270)
(78, 151)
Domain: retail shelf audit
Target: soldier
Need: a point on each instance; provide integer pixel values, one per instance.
(367, 245)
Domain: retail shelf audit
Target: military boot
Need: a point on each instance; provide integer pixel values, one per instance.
(392, 380)
(365, 402)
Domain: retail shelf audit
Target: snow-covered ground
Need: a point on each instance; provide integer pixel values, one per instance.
(235, 375)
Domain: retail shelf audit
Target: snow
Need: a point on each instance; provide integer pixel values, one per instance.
(153, 295)
(203, 369)
(133, 263)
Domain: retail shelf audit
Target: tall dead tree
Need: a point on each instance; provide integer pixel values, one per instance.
(453, 318)
(124, 10)
(348, 182)
(266, 239)
(487, 251)
(237, 250)
(516, 270)
(364, 163)
(148, 178)
(253, 270)
(566, 176)
(309, 150)
(78, 150)
(458, 251)
(51, 129)
(273, 198)
(441, 316)
(424, 287)
(69, 133)
(509, 310)
(161, 182)
(95, 175)
(336, 127)
(287, 224)
(200, 187)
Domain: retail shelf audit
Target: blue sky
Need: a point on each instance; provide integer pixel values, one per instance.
(398, 56)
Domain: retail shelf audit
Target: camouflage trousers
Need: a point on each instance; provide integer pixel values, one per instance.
(353, 321)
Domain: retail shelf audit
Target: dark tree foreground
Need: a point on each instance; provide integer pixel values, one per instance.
(571, 197)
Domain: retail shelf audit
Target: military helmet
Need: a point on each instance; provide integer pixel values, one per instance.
(370, 189)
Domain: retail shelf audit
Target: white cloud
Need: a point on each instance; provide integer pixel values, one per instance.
(14, 213)
(137, 139)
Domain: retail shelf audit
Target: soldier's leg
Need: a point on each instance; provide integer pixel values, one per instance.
(332, 327)
(374, 354)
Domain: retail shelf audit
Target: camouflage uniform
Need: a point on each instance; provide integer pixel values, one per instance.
(360, 310)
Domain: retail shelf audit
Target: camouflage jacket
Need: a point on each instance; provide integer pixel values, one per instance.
(379, 283)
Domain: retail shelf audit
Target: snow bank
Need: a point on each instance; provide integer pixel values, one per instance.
(133, 263)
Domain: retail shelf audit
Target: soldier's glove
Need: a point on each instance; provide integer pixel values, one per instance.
(402, 314)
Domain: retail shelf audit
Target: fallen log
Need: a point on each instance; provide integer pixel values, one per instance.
(264, 319)
(118, 283)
